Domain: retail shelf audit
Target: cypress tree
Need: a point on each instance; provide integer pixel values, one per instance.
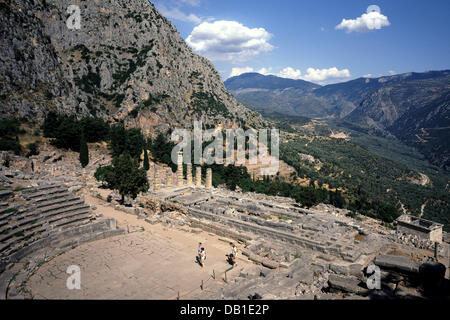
(84, 151)
(146, 163)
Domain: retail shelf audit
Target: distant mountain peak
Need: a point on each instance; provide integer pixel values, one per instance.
(254, 80)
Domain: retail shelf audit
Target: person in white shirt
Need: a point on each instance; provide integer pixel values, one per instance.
(233, 254)
(202, 257)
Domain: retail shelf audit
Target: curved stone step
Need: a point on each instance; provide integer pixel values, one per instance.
(61, 221)
(33, 196)
(6, 216)
(44, 212)
(58, 206)
(56, 201)
(41, 188)
(69, 215)
(63, 226)
(35, 211)
(42, 219)
(52, 197)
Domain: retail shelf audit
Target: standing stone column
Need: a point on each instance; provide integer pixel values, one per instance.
(174, 179)
(163, 176)
(198, 176)
(189, 174)
(169, 178)
(151, 173)
(208, 182)
(156, 181)
(152, 168)
(180, 169)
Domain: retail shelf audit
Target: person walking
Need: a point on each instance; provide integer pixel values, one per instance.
(202, 257)
(199, 253)
(234, 250)
(233, 254)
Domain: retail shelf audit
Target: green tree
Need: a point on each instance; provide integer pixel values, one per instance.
(9, 129)
(130, 141)
(95, 129)
(336, 199)
(387, 212)
(146, 163)
(33, 149)
(51, 124)
(161, 149)
(117, 139)
(84, 151)
(135, 142)
(105, 175)
(124, 176)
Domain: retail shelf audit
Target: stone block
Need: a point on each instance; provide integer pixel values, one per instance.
(305, 276)
(348, 284)
(397, 263)
(343, 270)
(5, 193)
(355, 270)
(270, 263)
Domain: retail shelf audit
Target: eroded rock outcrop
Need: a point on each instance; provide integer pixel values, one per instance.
(126, 62)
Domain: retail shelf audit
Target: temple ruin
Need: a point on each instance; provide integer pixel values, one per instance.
(424, 229)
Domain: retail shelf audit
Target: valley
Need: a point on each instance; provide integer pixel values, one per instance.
(411, 107)
(364, 166)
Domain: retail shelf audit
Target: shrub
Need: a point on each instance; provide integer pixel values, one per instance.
(33, 149)
(84, 152)
(126, 141)
(124, 175)
(66, 130)
(9, 141)
(146, 163)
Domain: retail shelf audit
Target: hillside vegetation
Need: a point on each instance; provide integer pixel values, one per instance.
(369, 170)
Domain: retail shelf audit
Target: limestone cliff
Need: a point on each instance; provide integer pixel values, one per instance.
(126, 62)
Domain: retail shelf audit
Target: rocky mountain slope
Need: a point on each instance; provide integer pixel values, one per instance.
(126, 62)
(412, 106)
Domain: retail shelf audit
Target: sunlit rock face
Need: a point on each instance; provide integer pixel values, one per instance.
(125, 62)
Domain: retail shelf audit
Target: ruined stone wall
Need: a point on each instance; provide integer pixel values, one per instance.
(436, 235)
(419, 232)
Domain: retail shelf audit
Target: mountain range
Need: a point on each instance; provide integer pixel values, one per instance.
(413, 107)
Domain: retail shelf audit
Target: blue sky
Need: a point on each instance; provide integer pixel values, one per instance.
(309, 39)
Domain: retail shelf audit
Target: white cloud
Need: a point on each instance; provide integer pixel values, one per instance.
(229, 40)
(324, 75)
(265, 71)
(392, 72)
(372, 20)
(177, 14)
(238, 71)
(290, 73)
(321, 76)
